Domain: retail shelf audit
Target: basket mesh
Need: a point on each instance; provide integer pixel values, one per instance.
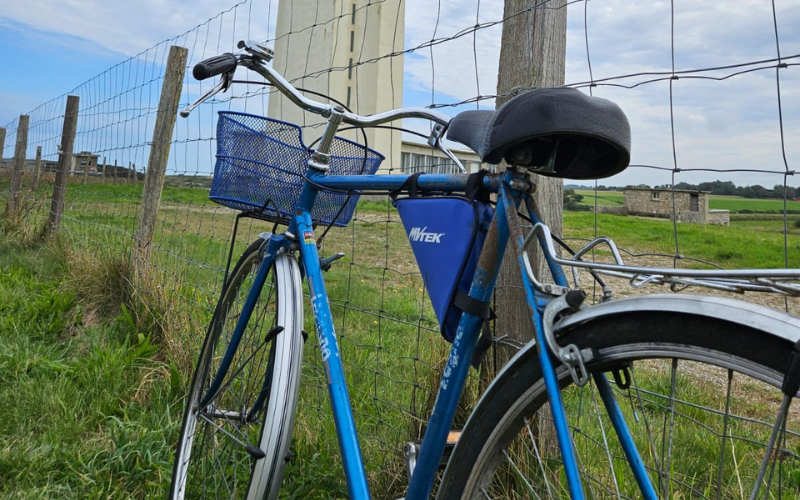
(260, 166)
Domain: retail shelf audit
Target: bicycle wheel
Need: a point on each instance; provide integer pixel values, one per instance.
(703, 399)
(255, 403)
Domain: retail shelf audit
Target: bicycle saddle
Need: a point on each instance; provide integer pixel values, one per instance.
(561, 132)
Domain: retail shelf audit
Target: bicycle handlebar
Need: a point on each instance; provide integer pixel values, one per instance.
(256, 61)
(214, 66)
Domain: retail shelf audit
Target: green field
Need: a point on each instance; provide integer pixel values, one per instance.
(603, 198)
(736, 204)
(94, 371)
(743, 244)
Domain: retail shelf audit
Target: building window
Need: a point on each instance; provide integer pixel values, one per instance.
(353, 16)
(350, 69)
(416, 162)
(655, 195)
(348, 97)
(352, 40)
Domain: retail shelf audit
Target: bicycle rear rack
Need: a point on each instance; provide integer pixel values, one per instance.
(783, 281)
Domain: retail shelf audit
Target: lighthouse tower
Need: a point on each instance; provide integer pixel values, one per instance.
(339, 48)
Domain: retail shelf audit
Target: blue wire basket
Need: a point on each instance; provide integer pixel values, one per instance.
(261, 163)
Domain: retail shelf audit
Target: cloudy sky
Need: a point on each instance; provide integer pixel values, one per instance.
(49, 47)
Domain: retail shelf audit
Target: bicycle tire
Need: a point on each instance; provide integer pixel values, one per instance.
(705, 383)
(209, 461)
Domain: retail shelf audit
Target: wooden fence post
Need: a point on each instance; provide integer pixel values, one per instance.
(103, 174)
(114, 172)
(532, 53)
(20, 154)
(38, 169)
(2, 142)
(64, 163)
(159, 154)
(86, 172)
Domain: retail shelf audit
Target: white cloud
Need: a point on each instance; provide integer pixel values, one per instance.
(121, 26)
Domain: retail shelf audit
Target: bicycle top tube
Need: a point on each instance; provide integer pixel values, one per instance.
(449, 183)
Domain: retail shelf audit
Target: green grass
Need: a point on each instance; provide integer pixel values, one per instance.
(383, 356)
(86, 408)
(735, 204)
(96, 192)
(604, 198)
(127, 376)
(745, 244)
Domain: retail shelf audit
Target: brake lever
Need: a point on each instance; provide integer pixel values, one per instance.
(257, 49)
(222, 86)
(435, 140)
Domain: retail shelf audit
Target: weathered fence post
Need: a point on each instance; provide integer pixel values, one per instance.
(159, 154)
(20, 154)
(86, 172)
(38, 169)
(115, 172)
(103, 173)
(2, 141)
(532, 53)
(64, 163)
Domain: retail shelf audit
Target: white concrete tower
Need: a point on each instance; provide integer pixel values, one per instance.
(330, 47)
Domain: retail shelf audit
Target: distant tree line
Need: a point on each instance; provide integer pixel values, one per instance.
(725, 188)
(728, 188)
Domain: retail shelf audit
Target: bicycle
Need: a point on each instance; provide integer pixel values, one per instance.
(530, 435)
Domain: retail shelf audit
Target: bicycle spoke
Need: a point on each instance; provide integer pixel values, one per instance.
(644, 417)
(768, 456)
(243, 364)
(599, 414)
(725, 422)
(525, 481)
(538, 457)
(666, 441)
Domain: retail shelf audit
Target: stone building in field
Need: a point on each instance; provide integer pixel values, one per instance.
(689, 206)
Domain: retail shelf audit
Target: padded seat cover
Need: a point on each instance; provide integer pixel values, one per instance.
(588, 137)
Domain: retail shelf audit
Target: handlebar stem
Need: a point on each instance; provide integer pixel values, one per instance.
(321, 158)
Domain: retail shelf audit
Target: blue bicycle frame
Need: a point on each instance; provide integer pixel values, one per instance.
(504, 227)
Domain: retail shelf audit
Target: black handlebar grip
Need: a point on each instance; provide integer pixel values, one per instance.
(214, 66)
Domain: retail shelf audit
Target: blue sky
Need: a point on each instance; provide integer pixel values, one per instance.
(40, 65)
(49, 47)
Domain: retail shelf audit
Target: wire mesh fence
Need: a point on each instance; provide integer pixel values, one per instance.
(710, 90)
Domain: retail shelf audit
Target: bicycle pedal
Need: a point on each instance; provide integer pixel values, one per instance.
(452, 439)
(412, 449)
